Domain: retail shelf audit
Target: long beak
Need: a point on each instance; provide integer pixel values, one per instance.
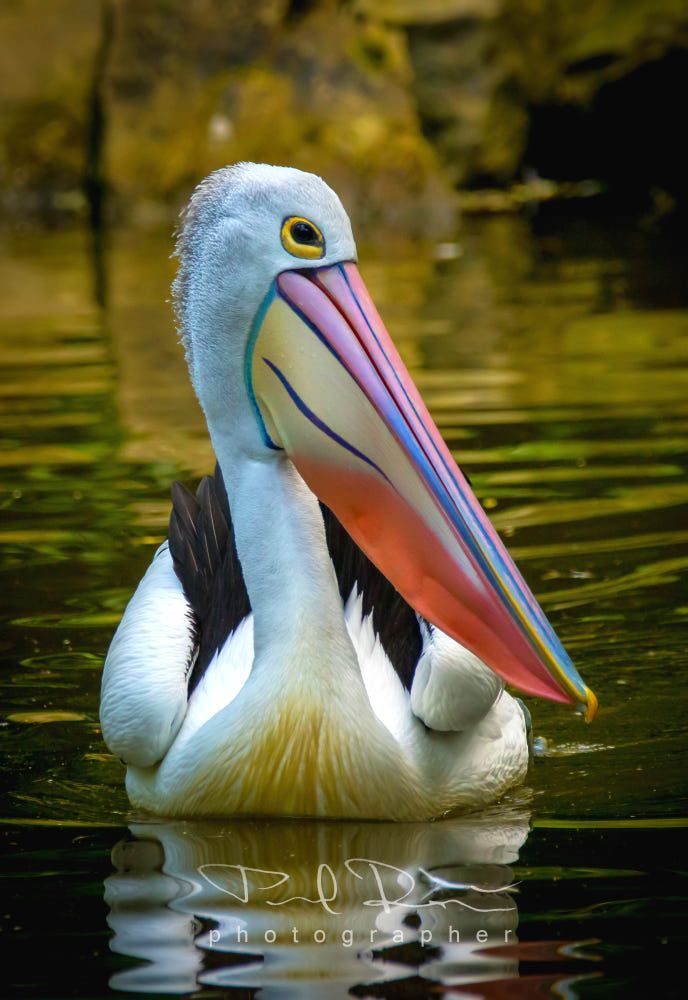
(330, 388)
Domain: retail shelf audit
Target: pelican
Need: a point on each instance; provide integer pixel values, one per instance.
(329, 628)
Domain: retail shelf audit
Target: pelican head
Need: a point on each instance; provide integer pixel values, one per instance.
(291, 362)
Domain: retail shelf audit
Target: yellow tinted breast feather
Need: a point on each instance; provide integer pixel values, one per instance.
(299, 760)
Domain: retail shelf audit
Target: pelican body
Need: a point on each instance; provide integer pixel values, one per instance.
(330, 625)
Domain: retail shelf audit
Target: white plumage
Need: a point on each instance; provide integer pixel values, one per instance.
(473, 748)
(144, 688)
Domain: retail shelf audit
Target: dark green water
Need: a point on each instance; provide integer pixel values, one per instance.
(554, 357)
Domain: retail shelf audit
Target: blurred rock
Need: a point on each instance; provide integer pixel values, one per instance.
(483, 70)
(393, 101)
(46, 79)
(184, 88)
(474, 118)
(413, 12)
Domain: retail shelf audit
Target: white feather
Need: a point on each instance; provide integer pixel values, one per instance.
(387, 695)
(223, 679)
(143, 695)
(452, 689)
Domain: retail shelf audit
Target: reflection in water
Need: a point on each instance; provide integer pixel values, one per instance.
(282, 904)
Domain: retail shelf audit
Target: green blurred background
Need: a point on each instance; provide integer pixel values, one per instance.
(116, 108)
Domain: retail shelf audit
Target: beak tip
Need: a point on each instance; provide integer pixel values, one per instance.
(590, 706)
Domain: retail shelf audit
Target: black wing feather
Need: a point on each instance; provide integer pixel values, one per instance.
(207, 566)
(395, 622)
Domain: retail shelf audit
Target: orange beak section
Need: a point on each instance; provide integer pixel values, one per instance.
(330, 388)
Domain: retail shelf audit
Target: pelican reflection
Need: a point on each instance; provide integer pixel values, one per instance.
(284, 905)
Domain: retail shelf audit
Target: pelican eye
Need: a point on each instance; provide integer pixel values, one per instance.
(302, 238)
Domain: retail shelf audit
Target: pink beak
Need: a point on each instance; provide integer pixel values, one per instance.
(330, 388)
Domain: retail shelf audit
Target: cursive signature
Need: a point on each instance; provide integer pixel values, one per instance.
(244, 889)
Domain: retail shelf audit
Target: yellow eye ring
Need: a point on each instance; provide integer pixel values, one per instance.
(302, 238)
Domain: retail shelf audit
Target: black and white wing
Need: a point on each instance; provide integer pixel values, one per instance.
(402, 656)
(190, 601)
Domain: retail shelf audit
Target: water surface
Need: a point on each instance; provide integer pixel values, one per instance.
(554, 357)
